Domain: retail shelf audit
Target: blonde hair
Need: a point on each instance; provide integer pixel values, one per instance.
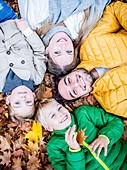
(41, 109)
(85, 29)
(83, 33)
(19, 118)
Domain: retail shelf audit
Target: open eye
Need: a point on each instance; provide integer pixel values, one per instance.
(28, 101)
(17, 103)
(57, 53)
(69, 51)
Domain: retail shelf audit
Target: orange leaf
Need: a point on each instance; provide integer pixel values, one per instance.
(81, 136)
(47, 93)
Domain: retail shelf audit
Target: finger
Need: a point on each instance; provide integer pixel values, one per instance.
(99, 150)
(105, 151)
(92, 144)
(66, 135)
(95, 146)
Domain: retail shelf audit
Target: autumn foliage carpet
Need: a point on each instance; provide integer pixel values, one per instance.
(17, 152)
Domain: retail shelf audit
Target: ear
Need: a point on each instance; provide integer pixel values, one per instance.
(35, 98)
(48, 128)
(8, 99)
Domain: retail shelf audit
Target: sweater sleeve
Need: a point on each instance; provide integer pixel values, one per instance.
(106, 123)
(39, 60)
(60, 156)
(120, 9)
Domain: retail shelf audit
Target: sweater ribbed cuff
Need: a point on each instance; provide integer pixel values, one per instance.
(105, 137)
(74, 150)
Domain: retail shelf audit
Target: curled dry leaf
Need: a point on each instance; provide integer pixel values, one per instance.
(81, 136)
(4, 144)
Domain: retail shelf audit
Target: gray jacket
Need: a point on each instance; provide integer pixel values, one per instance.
(24, 55)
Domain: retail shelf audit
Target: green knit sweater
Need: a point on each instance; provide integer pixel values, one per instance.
(96, 122)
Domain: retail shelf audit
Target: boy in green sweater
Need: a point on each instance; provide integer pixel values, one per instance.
(102, 148)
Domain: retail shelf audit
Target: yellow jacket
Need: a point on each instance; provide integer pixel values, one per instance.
(106, 46)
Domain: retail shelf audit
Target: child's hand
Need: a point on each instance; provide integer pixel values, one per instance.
(100, 142)
(21, 24)
(70, 138)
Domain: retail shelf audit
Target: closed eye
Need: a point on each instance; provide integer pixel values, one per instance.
(53, 115)
(59, 108)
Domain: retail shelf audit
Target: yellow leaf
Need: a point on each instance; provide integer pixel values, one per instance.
(31, 146)
(35, 133)
(37, 128)
(7, 115)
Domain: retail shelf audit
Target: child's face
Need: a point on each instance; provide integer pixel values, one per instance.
(21, 100)
(56, 116)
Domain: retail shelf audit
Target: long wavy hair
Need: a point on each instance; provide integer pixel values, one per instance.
(83, 33)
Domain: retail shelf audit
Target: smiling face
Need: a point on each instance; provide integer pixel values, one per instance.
(53, 116)
(76, 84)
(21, 101)
(61, 49)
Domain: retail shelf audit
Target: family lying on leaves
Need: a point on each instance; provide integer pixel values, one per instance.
(59, 34)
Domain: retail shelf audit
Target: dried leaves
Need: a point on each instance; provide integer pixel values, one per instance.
(81, 136)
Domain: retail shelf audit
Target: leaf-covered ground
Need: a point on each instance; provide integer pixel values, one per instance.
(16, 151)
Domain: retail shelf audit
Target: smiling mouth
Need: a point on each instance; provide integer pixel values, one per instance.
(62, 40)
(64, 119)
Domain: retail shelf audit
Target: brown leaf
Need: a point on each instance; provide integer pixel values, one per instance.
(5, 158)
(47, 93)
(16, 164)
(4, 144)
(81, 136)
(33, 162)
(18, 152)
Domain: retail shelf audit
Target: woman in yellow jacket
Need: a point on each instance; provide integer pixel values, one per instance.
(105, 47)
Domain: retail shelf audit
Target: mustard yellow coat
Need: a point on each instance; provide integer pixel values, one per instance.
(106, 46)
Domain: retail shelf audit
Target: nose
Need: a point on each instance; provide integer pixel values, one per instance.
(23, 97)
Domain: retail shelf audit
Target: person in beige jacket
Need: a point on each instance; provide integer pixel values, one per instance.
(22, 66)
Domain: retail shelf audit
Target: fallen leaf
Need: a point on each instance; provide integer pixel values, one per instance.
(47, 93)
(16, 164)
(31, 147)
(33, 162)
(5, 158)
(81, 136)
(4, 144)
(35, 133)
